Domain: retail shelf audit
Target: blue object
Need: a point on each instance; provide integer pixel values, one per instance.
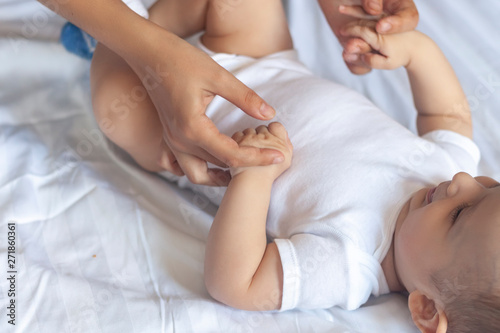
(77, 41)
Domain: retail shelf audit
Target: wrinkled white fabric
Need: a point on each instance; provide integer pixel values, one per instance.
(84, 198)
(332, 214)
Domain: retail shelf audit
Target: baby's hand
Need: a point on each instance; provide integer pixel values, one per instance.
(273, 136)
(391, 51)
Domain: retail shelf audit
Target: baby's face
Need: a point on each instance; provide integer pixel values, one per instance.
(456, 220)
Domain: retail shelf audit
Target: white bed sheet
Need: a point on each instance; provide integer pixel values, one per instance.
(103, 246)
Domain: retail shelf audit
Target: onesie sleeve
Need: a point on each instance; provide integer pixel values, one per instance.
(462, 150)
(316, 273)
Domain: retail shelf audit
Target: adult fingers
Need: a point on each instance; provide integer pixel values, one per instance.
(365, 33)
(373, 7)
(357, 12)
(358, 68)
(197, 171)
(227, 150)
(192, 147)
(353, 49)
(168, 160)
(357, 46)
(239, 156)
(403, 16)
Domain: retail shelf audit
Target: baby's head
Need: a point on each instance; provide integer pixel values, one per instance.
(447, 255)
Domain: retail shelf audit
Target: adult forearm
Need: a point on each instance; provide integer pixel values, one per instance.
(112, 23)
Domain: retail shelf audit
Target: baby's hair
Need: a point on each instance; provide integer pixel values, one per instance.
(471, 297)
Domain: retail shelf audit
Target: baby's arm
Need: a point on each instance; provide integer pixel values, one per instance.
(241, 269)
(438, 96)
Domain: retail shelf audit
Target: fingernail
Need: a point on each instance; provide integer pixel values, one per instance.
(163, 159)
(351, 57)
(341, 8)
(266, 111)
(278, 160)
(375, 6)
(385, 26)
(355, 49)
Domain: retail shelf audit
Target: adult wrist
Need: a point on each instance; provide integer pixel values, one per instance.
(116, 25)
(151, 44)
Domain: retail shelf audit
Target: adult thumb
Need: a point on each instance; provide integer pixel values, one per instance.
(246, 99)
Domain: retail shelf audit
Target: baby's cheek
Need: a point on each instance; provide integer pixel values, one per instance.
(412, 237)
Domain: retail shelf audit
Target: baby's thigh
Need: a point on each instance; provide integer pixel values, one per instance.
(181, 17)
(123, 109)
(248, 27)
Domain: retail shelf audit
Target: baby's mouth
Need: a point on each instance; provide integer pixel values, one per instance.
(430, 194)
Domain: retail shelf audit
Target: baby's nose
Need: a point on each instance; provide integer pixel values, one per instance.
(460, 180)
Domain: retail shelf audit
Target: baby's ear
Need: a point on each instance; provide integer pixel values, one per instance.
(425, 314)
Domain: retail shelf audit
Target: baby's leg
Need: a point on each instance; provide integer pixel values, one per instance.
(123, 109)
(254, 28)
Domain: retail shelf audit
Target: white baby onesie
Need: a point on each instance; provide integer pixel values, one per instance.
(332, 214)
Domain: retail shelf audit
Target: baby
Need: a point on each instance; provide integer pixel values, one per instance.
(357, 212)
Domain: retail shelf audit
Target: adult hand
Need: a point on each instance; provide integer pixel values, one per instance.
(393, 16)
(393, 51)
(273, 136)
(181, 80)
(181, 84)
